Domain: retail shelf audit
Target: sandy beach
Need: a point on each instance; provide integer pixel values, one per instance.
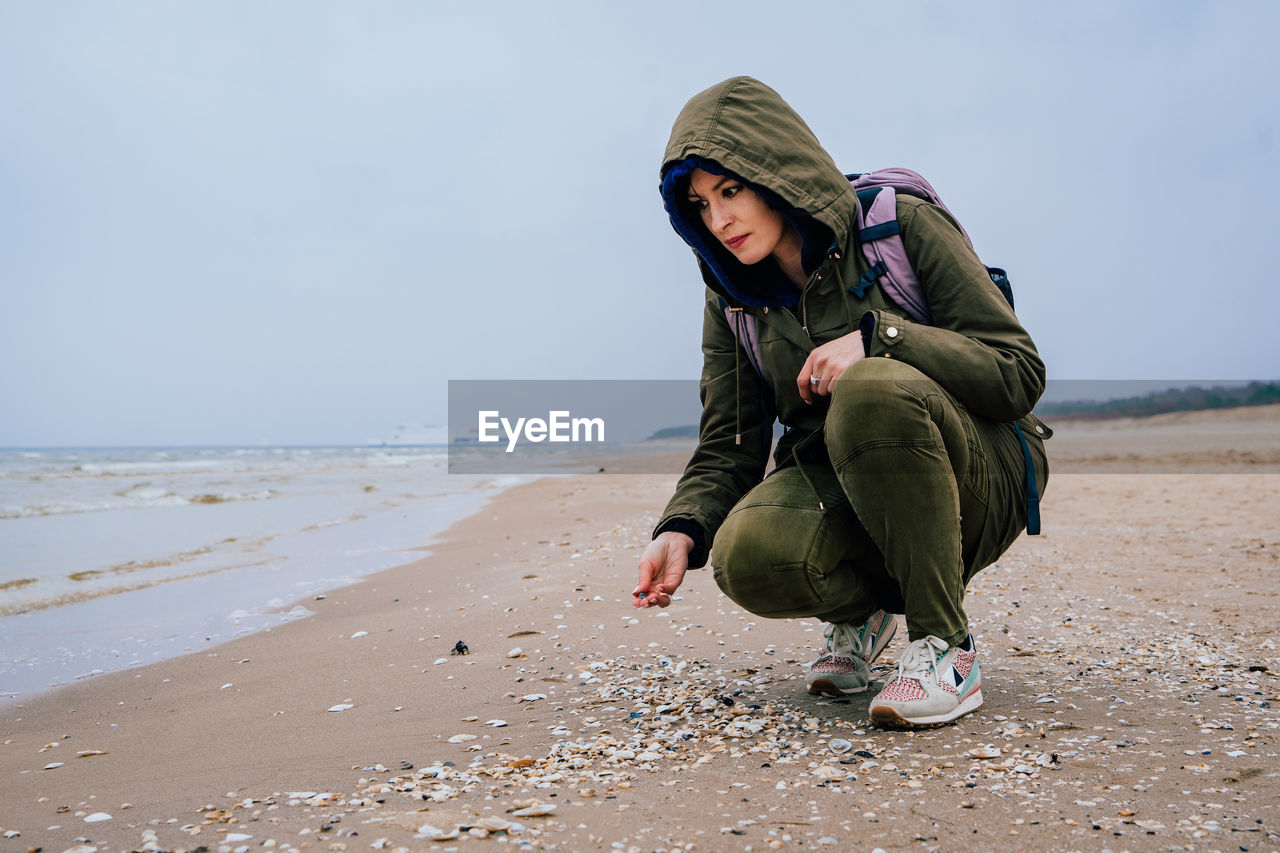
(1132, 687)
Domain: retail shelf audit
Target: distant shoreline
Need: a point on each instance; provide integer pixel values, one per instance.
(1188, 399)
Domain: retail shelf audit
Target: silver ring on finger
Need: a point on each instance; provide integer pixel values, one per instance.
(815, 381)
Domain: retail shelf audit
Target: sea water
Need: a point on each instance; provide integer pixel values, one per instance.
(112, 558)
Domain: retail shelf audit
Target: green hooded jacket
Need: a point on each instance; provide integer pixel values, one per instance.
(976, 349)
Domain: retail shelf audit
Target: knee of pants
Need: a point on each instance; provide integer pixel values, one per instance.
(779, 561)
(873, 393)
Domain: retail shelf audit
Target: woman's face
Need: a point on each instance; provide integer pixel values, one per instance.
(739, 218)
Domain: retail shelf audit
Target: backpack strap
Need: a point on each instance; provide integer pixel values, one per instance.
(880, 237)
(1033, 495)
(744, 329)
(884, 228)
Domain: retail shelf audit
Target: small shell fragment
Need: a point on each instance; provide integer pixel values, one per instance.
(532, 697)
(839, 746)
(984, 752)
(515, 653)
(337, 708)
(535, 810)
(436, 834)
(497, 724)
(97, 817)
(464, 738)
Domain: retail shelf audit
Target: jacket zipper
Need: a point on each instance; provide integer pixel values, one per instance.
(804, 309)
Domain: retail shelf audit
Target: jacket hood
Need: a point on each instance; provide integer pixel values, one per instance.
(744, 128)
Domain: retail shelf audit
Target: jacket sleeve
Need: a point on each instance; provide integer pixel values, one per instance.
(722, 469)
(976, 348)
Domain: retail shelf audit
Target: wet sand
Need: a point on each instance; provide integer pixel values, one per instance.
(1130, 677)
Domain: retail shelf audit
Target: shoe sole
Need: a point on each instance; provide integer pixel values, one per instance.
(827, 687)
(887, 717)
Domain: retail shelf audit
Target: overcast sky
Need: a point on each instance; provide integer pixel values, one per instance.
(294, 222)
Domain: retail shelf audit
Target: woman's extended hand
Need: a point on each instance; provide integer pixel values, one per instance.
(826, 363)
(662, 568)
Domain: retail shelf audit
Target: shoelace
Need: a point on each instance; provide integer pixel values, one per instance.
(920, 657)
(842, 637)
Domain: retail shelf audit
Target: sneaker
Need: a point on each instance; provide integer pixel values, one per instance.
(934, 684)
(851, 649)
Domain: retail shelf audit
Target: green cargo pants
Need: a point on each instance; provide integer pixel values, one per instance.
(909, 497)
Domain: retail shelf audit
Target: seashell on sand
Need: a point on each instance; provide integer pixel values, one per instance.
(535, 810)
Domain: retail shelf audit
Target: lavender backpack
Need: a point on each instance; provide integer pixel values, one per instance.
(881, 239)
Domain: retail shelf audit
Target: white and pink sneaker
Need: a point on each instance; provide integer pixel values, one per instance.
(934, 684)
(845, 667)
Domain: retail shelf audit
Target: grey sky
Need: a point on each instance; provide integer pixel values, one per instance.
(293, 222)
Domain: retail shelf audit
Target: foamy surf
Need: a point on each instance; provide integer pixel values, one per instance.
(114, 558)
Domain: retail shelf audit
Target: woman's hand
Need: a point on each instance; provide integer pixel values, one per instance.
(826, 363)
(662, 568)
